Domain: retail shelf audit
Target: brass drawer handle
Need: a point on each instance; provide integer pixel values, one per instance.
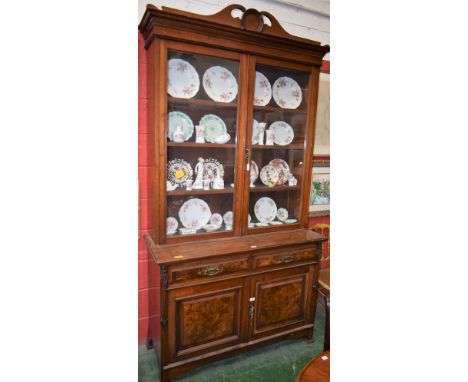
(286, 259)
(211, 270)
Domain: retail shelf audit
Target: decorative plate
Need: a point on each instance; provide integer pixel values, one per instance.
(214, 127)
(283, 170)
(255, 132)
(282, 214)
(284, 133)
(253, 172)
(216, 219)
(269, 176)
(179, 171)
(262, 94)
(265, 209)
(177, 118)
(194, 213)
(211, 168)
(228, 218)
(171, 225)
(287, 93)
(182, 79)
(220, 84)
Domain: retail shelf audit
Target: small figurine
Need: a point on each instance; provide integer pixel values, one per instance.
(198, 184)
(200, 134)
(218, 182)
(270, 137)
(179, 134)
(188, 184)
(292, 181)
(206, 184)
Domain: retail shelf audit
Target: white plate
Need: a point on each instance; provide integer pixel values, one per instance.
(287, 93)
(179, 171)
(214, 127)
(290, 221)
(210, 227)
(262, 94)
(228, 218)
(269, 176)
(282, 214)
(194, 213)
(216, 219)
(253, 172)
(284, 133)
(171, 225)
(210, 169)
(182, 79)
(262, 224)
(220, 84)
(177, 118)
(283, 170)
(276, 222)
(265, 210)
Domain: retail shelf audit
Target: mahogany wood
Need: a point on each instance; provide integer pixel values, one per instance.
(317, 370)
(226, 292)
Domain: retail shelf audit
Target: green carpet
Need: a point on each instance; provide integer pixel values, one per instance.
(280, 362)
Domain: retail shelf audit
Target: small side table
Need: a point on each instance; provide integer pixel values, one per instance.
(324, 300)
(317, 370)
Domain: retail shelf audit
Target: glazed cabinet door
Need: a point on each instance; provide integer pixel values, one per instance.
(206, 317)
(281, 300)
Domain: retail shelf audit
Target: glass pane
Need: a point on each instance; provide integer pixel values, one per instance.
(201, 143)
(278, 142)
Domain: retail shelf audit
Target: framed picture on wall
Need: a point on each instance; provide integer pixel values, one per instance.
(320, 190)
(322, 125)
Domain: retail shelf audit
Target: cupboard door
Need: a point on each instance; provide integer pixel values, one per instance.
(282, 301)
(206, 317)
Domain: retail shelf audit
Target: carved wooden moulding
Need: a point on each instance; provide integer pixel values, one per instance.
(246, 28)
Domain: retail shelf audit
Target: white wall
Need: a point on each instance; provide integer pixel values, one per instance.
(304, 18)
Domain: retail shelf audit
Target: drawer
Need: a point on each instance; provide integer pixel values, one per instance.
(207, 270)
(285, 257)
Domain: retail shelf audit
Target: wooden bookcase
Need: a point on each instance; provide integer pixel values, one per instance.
(243, 285)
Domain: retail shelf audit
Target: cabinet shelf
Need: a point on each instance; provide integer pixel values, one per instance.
(201, 102)
(193, 144)
(273, 189)
(293, 146)
(200, 192)
(280, 109)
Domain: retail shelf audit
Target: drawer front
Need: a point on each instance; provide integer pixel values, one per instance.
(285, 257)
(207, 270)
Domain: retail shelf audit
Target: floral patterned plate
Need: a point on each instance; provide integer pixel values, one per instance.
(283, 170)
(253, 172)
(284, 133)
(228, 218)
(282, 214)
(182, 79)
(171, 225)
(177, 118)
(179, 171)
(262, 94)
(265, 210)
(194, 213)
(269, 176)
(287, 93)
(220, 84)
(211, 167)
(216, 219)
(214, 127)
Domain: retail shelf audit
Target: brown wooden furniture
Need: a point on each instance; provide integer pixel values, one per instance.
(324, 300)
(317, 370)
(244, 285)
